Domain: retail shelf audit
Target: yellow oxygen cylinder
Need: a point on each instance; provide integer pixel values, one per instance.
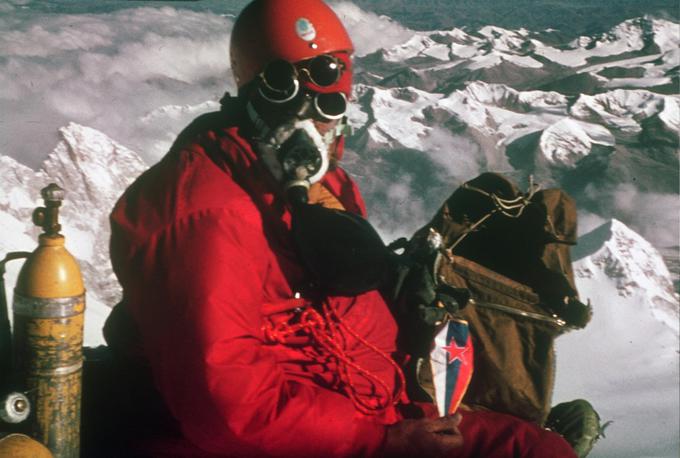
(49, 306)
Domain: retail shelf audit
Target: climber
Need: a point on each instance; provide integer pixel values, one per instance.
(250, 356)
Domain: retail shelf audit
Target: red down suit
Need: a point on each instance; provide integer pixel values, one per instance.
(201, 245)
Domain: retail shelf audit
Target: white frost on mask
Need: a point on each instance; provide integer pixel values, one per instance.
(268, 148)
(280, 134)
(321, 145)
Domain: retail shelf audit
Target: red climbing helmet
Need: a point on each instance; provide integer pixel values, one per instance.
(292, 31)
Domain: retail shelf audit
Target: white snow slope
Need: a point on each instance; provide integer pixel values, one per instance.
(625, 362)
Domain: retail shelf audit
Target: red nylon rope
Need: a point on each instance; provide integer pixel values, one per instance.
(322, 328)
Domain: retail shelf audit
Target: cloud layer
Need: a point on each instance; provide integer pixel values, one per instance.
(370, 31)
(106, 71)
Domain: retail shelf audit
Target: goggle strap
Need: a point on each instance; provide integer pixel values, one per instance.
(260, 126)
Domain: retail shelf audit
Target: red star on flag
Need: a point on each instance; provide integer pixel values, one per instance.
(456, 352)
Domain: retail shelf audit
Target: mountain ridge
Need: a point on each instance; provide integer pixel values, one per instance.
(93, 170)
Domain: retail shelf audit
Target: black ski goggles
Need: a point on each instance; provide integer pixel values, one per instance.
(280, 83)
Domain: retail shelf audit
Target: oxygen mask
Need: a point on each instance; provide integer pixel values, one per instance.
(303, 161)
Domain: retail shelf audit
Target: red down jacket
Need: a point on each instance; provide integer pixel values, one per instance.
(201, 245)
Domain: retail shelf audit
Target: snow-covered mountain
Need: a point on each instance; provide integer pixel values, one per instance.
(569, 129)
(630, 349)
(634, 266)
(437, 70)
(589, 115)
(638, 52)
(94, 170)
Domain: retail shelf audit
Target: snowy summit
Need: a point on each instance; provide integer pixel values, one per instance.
(616, 254)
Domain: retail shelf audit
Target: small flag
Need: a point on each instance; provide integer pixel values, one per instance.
(452, 364)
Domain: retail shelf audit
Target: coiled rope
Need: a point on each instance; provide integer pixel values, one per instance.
(325, 330)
